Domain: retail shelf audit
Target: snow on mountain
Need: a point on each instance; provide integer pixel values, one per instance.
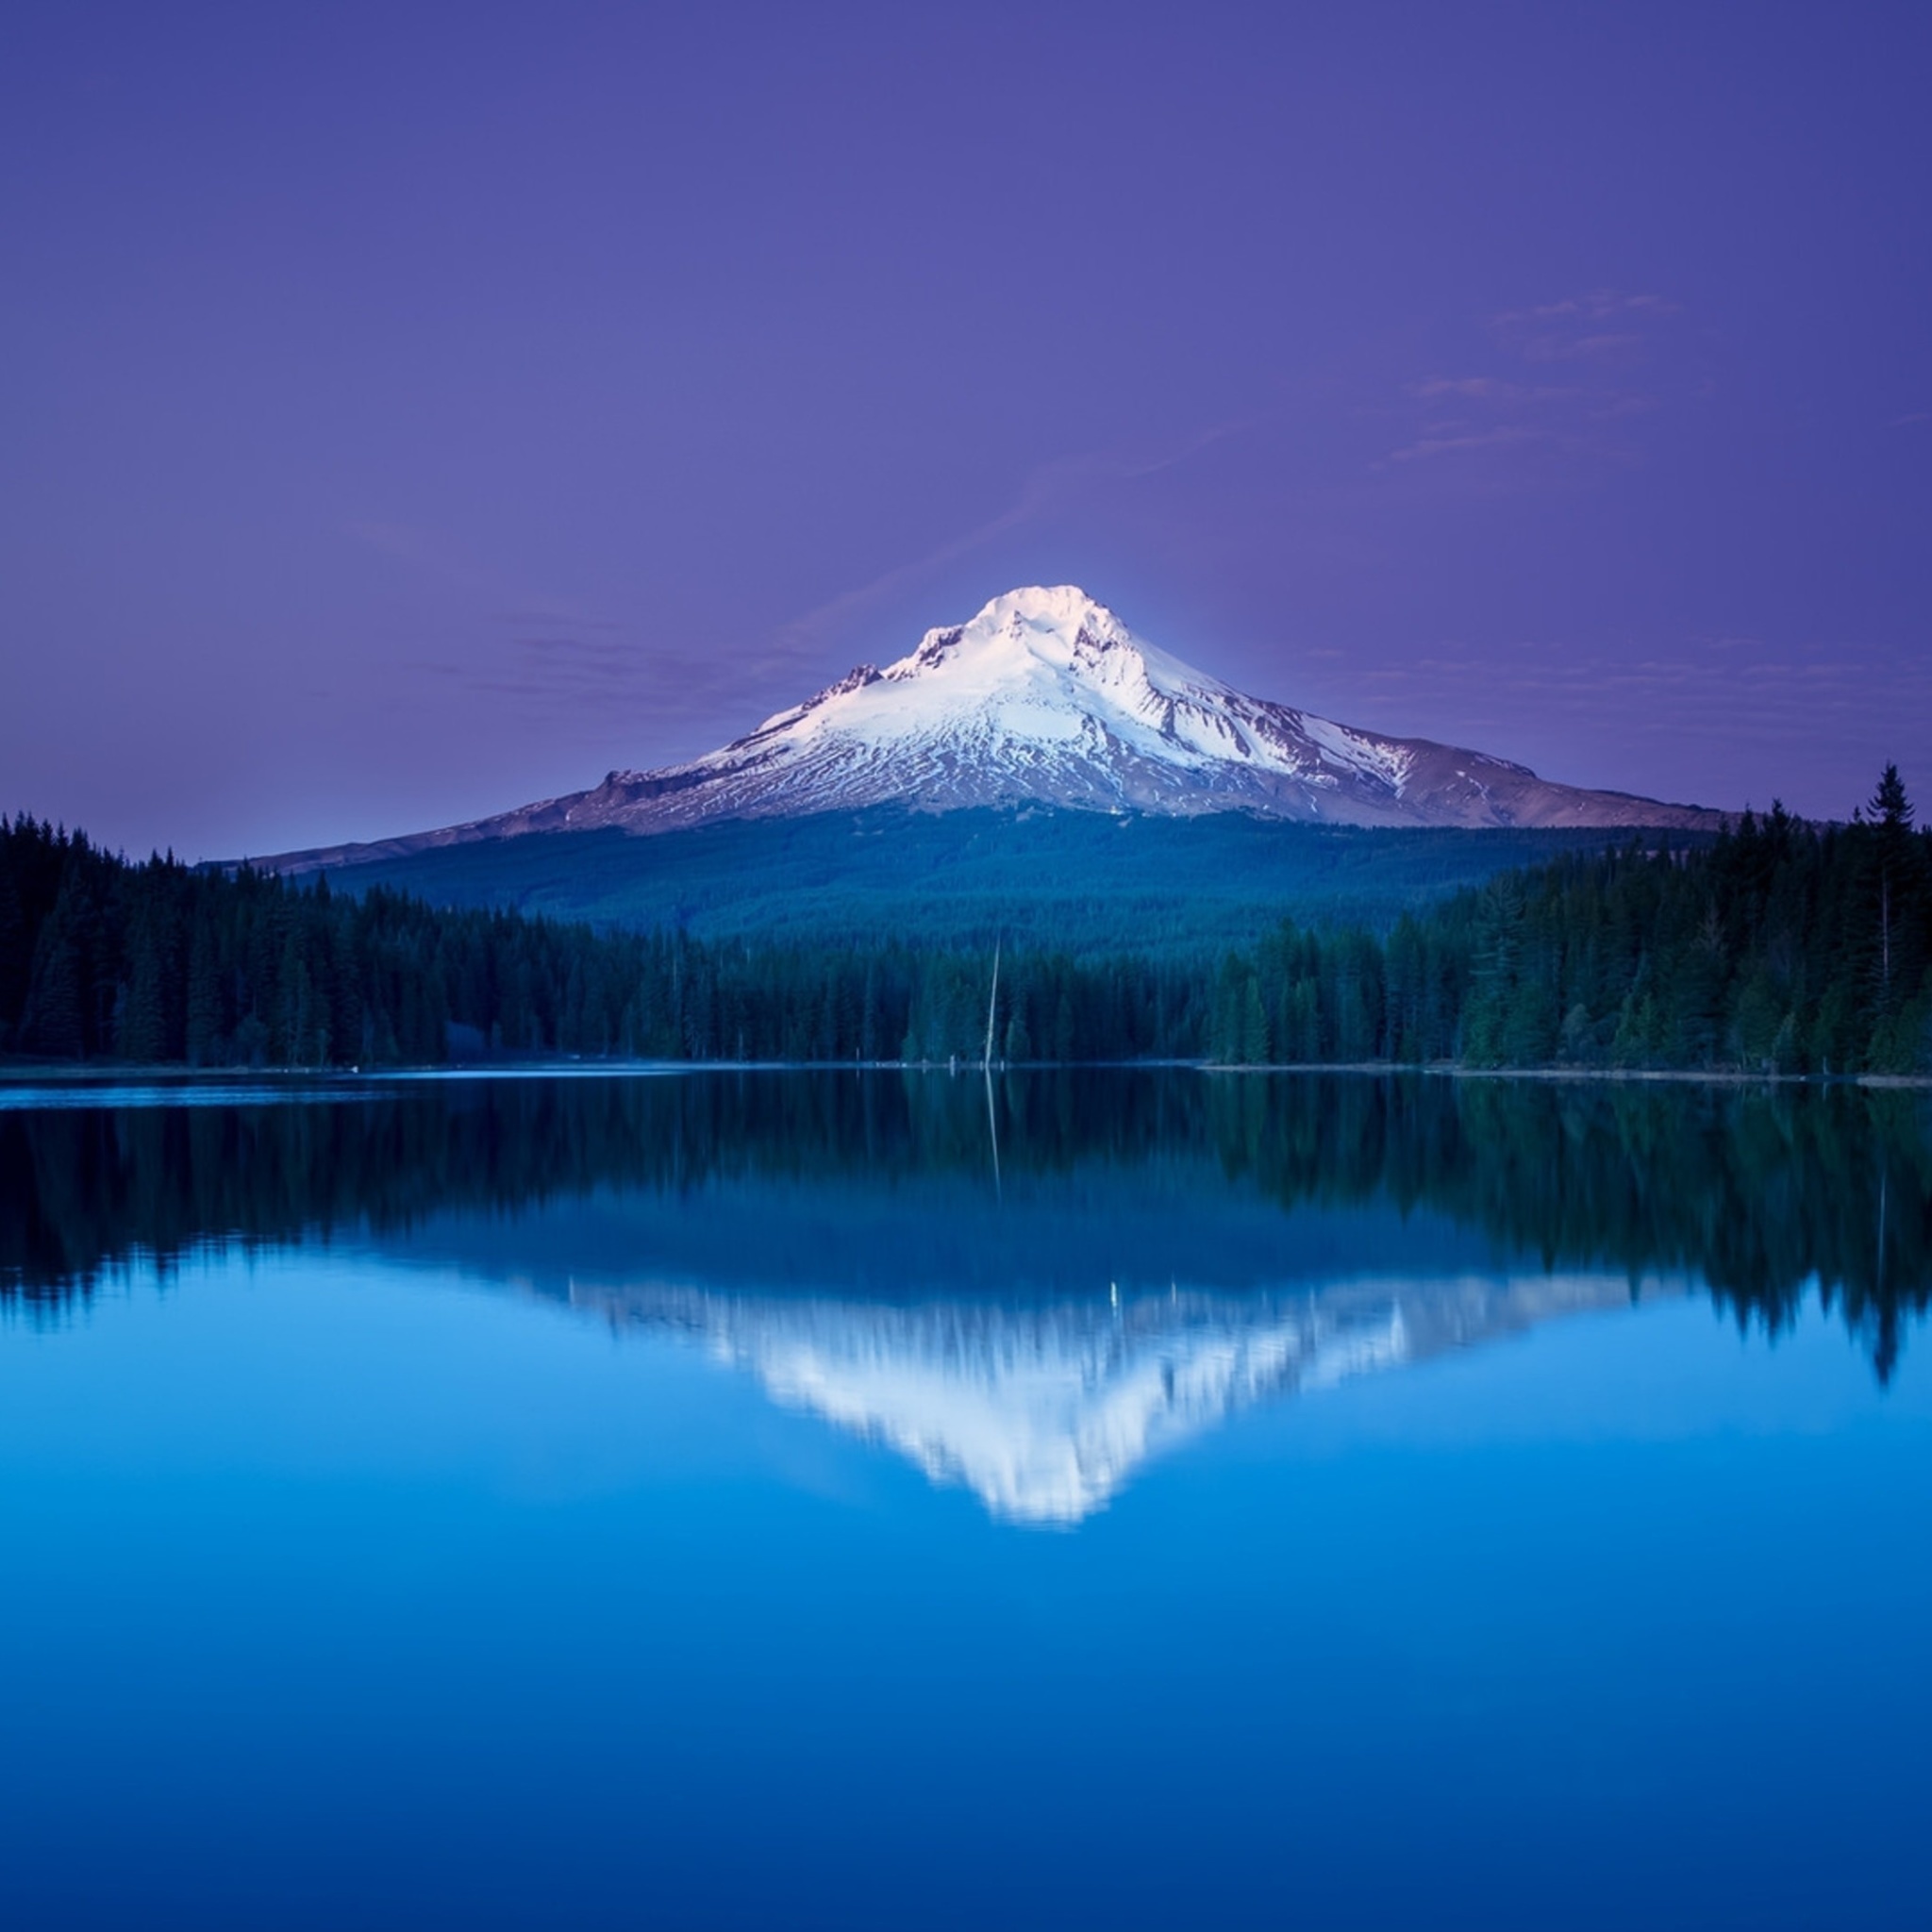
(1047, 698)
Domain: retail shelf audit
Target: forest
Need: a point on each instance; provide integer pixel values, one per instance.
(1782, 946)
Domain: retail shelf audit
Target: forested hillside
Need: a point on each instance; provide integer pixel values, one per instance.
(1779, 947)
(1092, 883)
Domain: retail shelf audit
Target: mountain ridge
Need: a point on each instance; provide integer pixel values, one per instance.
(1046, 698)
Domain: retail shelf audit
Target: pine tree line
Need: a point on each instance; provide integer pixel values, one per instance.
(1781, 947)
(158, 963)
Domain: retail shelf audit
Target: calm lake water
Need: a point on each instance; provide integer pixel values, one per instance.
(898, 1501)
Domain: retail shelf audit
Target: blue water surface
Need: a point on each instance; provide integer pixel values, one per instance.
(350, 1584)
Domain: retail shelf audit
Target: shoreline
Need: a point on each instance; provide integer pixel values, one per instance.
(1455, 1070)
(106, 1075)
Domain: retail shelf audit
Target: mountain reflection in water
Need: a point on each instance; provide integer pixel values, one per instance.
(1156, 1252)
(1046, 1411)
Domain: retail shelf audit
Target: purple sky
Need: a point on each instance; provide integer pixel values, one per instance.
(408, 412)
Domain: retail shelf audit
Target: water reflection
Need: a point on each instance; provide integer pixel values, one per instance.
(1044, 1412)
(1152, 1252)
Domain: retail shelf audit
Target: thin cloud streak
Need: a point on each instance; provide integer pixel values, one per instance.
(1765, 699)
(1557, 427)
(1051, 487)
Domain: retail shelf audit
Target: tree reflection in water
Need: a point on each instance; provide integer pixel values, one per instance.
(1763, 1195)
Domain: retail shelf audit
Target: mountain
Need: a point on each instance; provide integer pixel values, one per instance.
(1046, 698)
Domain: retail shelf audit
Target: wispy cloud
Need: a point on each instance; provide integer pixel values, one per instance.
(1596, 305)
(1603, 323)
(1484, 388)
(1521, 427)
(560, 659)
(1442, 440)
(1760, 695)
(1050, 484)
(1052, 487)
(595, 680)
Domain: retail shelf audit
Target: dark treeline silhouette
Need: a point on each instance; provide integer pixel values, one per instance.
(158, 963)
(1779, 947)
(1759, 1192)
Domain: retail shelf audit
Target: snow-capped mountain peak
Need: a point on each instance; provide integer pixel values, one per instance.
(1060, 629)
(1046, 697)
(1036, 668)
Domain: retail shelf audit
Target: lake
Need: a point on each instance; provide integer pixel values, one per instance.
(895, 1500)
